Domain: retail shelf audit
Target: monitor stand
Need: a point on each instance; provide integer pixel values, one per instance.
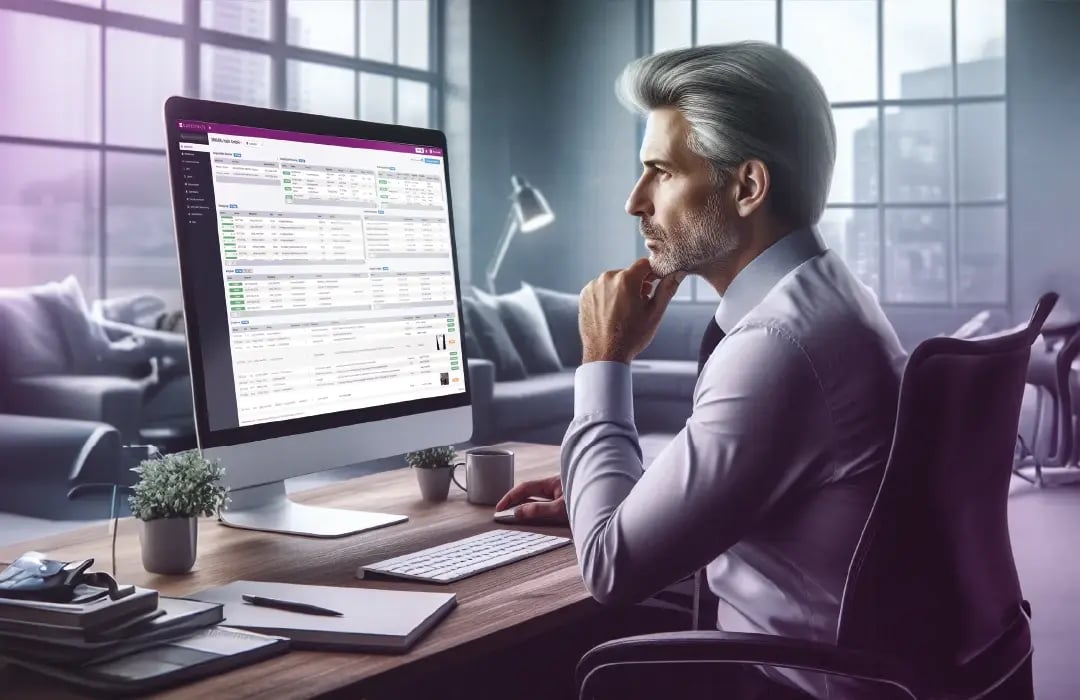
(268, 508)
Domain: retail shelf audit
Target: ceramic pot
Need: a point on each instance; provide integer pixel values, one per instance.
(434, 483)
(168, 544)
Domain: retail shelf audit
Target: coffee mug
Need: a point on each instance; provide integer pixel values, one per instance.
(489, 475)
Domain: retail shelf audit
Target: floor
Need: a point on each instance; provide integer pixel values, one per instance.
(1045, 528)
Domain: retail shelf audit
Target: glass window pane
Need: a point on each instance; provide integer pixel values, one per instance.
(918, 49)
(229, 75)
(142, 71)
(981, 151)
(918, 147)
(246, 17)
(49, 201)
(413, 103)
(722, 21)
(326, 25)
(855, 175)
(141, 245)
(321, 89)
(412, 34)
(376, 98)
(853, 234)
(377, 30)
(50, 78)
(672, 24)
(980, 47)
(982, 276)
(917, 255)
(703, 290)
(838, 41)
(167, 10)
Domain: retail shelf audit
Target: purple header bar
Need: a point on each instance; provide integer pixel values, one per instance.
(256, 132)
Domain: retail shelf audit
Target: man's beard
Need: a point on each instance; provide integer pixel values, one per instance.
(699, 239)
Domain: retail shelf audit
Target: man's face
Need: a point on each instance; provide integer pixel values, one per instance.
(681, 206)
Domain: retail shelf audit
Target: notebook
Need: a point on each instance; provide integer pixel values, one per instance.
(94, 614)
(205, 653)
(178, 618)
(374, 620)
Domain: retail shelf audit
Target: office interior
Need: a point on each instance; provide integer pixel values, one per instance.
(953, 198)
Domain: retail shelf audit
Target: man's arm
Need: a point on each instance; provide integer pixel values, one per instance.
(760, 425)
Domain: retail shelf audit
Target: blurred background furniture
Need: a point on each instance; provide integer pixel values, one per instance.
(57, 360)
(524, 346)
(932, 607)
(529, 212)
(44, 462)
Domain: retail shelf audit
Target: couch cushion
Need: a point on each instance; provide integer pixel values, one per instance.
(673, 379)
(31, 344)
(524, 320)
(85, 340)
(539, 400)
(561, 312)
(494, 341)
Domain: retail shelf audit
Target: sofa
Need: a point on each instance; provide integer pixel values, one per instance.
(537, 404)
(57, 360)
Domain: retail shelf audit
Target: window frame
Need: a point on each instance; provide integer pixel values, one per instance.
(194, 36)
(954, 204)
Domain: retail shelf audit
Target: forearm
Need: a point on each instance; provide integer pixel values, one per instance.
(601, 463)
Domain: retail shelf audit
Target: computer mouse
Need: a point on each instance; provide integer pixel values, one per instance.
(507, 516)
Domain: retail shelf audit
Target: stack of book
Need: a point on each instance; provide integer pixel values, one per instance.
(138, 642)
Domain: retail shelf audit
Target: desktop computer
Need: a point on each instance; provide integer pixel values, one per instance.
(321, 300)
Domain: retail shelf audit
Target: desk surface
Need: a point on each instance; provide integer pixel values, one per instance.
(495, 608)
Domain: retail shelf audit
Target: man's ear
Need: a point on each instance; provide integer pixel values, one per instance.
(751, 183)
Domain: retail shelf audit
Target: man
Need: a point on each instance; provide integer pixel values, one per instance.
(769, 483)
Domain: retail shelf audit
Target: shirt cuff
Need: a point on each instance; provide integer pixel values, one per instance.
(604, 388)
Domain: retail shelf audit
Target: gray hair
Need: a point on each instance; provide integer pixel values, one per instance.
(746, 100)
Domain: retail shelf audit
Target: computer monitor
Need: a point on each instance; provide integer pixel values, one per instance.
(321, 300)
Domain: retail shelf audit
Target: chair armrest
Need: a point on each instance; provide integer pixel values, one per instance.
(723, 649)
(481, 390)
(170, 347)
(116, 401)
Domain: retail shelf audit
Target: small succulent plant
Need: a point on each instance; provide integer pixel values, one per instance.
(180, 485)
(432, 458)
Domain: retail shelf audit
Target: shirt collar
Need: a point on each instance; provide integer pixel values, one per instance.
(763, 272)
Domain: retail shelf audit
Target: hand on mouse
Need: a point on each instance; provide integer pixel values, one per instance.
(552, 512)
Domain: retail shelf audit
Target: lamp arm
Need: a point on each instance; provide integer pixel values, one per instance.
(501, 249)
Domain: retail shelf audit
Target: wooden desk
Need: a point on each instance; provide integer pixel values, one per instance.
(495, 609)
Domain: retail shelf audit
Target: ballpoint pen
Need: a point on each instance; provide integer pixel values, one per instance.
(290, 606)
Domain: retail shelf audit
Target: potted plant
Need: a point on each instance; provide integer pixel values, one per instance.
(434, 467)
(172, 492)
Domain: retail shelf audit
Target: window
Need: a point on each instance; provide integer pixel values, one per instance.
(918, 203)
(88, 194)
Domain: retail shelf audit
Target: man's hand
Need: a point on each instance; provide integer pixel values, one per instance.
(617, 319)
(551, 513)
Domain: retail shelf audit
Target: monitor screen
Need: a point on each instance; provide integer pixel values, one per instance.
(336, 289)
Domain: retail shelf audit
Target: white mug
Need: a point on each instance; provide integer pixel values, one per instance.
(489, 475)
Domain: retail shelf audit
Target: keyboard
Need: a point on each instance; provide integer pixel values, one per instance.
(462, 558)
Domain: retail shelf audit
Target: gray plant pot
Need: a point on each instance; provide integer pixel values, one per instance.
(168, 544)
(434, 483)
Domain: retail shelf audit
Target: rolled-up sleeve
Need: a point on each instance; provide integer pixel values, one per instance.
(759, 427)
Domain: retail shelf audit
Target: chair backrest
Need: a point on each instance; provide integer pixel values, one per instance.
(933, 580)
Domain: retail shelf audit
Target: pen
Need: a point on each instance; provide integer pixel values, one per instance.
(290, 606)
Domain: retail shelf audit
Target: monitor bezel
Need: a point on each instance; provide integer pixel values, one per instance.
(190, 109)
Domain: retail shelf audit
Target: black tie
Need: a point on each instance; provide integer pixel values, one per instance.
(704, 612)
(713, 335)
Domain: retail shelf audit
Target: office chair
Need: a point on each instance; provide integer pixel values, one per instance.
(932, 607)
(1050, 373)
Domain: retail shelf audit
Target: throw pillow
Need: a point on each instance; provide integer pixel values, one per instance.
(473, 348)
(30, 342)
(561, 311)
(524, 319)
(85, 340)
(494, 341)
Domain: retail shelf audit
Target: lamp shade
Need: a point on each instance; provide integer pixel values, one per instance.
(530, 207)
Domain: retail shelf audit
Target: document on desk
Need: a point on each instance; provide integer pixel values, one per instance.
(373, 620)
